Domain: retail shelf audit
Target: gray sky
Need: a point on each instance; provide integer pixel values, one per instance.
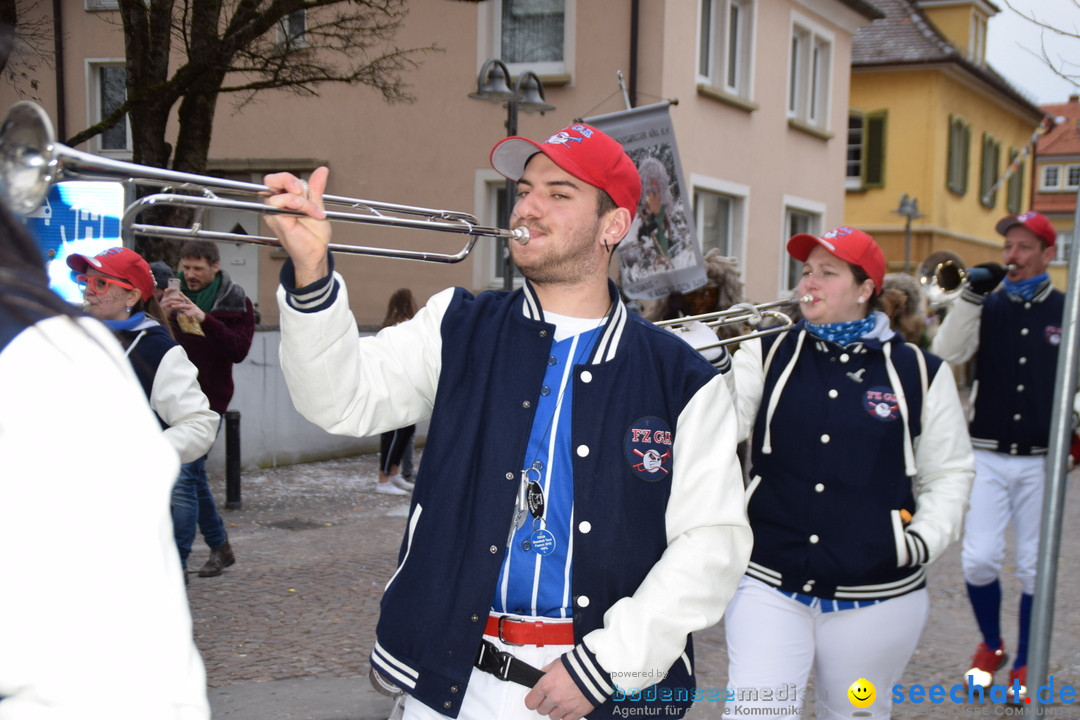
(1011, 40)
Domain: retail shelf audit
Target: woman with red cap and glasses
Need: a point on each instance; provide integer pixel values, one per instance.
(118, 289)
(859, 472)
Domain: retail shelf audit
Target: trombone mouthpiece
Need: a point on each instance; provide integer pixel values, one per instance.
(807, 298)
(520, 235)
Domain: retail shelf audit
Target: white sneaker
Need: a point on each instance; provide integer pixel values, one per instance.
(401, 482)
(389, 488)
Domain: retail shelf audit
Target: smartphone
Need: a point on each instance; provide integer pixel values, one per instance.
(174, 285)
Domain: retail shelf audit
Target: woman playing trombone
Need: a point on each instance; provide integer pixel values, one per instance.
(860, 468)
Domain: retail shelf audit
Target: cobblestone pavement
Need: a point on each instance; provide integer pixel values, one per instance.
(315, 545)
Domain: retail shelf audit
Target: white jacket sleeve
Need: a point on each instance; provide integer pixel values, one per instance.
(958, 337)
(177, 398)
(946, 469)
(79, 642)
(356, 386)
(749, 384)
(709, 542)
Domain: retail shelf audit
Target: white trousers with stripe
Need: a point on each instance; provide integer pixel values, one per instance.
(775, 641)
(1007, 487)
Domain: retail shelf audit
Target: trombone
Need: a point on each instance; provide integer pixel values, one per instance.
(740, 313)
(31, 162)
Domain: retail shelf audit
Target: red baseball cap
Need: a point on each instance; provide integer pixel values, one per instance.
(1033, 221)
(120, 263)
(848, 244)
(581, 150)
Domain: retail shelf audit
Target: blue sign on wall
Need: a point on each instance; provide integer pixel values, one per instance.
(78, 216)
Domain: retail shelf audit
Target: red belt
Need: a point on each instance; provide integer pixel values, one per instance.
(529, 632)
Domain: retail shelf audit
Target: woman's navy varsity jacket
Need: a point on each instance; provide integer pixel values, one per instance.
(846, 440)
(657, 553)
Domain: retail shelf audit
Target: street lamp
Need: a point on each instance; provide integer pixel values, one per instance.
(527, 93)
(909, 208)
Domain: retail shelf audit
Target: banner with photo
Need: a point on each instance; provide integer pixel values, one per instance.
(660, 255)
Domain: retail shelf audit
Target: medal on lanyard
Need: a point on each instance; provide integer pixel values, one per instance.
(541, 540)
(521, 504)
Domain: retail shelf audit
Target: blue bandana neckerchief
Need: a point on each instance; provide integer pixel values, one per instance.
(128, 324)
(1025, 288)
(843, 333)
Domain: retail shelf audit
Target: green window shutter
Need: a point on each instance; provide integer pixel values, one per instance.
(874, 144)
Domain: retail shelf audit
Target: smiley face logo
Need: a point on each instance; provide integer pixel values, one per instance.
(862, 693)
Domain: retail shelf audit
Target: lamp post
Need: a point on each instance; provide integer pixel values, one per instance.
(909, 208)
(527, 93)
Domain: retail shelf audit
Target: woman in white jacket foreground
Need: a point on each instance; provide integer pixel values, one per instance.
(860, 468)
(78, 443)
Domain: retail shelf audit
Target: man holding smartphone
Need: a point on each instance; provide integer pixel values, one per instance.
(213, 319)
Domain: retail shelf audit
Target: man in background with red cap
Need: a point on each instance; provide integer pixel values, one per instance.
(579, 511)
(1013, 332)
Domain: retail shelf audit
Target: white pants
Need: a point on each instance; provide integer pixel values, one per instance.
(1007, 487)
(774, 641)
(488, 697)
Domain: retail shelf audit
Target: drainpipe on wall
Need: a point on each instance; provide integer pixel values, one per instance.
(60, 118)
(635, 22)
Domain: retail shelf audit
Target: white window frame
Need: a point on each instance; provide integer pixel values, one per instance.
(284, 29)
(93, 107)
(714, 43)
(489, 19)
(486, 186)
(1072, 170)
(1044, 180)
(740, 211)
(977, 40)
(810, 72)
(801, 205)
(1062, 247)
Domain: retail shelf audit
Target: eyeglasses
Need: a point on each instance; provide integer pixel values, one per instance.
(99, 285)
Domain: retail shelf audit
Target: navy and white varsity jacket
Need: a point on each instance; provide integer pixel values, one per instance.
(1015, 343)
(171, 384)
(656, 554)
(847, 441)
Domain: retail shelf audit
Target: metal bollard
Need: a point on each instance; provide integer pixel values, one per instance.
(232, 460)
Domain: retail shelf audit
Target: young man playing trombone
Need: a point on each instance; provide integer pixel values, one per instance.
(579, 510)
(1013, 331)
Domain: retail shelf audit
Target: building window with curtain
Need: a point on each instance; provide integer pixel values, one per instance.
(796, 221)
(108, 93)
(725, 52)
(810, 75)
(959, 141)
(536, 35)
(715, 221)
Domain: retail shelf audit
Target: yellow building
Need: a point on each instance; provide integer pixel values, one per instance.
(930, 120)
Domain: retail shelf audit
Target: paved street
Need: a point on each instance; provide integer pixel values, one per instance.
(285, 633)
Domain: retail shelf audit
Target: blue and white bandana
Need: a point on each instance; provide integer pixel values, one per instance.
(843, 333)
(1025, 288)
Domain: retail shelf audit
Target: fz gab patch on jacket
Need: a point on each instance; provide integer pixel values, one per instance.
(881, 403)
(648, 448)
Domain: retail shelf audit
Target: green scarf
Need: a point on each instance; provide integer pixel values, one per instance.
(204, 298)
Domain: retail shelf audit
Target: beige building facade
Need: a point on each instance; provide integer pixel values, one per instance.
(761, 120)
